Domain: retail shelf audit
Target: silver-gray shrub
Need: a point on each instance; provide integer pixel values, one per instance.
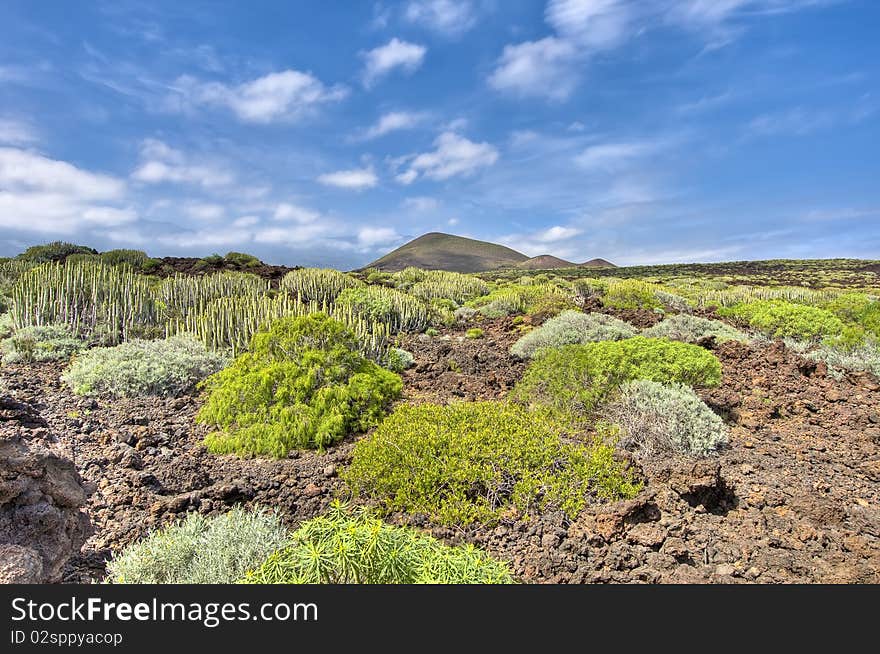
(572, 328)
(656, 418)
(691, 329)
(673, 301)
(862, 358)
(41, 343)
(166, 367)
(200, 550)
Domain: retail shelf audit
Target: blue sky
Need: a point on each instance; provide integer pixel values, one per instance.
(326, 133)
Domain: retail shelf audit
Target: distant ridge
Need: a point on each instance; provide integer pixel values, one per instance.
(438, 251)
(597, 263)
(545, 262)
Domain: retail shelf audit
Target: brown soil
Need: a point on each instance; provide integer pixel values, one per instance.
(793, 498)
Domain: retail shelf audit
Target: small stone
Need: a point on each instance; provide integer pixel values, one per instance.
(724, 570)
(330, 471)
(549, 541)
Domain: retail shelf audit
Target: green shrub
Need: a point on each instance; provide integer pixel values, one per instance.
(569, 328)
(137, 259)
(473, 461)
(302, 384)
(691, 329)
(398, 310)
(463, 314)
(665, 418)
(858, 309)
(44, 343)
(7, 327)
(672, 301)
(242, 260)
(55, 251)
(352, 547)
(781, 319)
(200, 550)
(317, 284)
(431, 331)
(631, 294)
(586, 289)
(165, 367)
(399, 360)
(578, 377)
(476, 332)
(544, 298)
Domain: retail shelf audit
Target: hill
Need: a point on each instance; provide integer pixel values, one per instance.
(437, 251)
(545, 262)
(597, 263)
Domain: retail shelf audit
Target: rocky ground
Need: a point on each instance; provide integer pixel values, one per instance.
(793, 498)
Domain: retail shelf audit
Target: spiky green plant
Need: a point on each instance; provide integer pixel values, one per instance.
(93, 299)
(346, 546)
(183, 295)
(318, 284)
(399, 310)
(439, 284)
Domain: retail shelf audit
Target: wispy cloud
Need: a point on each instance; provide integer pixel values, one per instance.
(161, 163)
(396, 54)
(283, 96)
(356, 179)
(453, 155)
(392, 122)
(420, 204)
(17, 132)
(448, 17)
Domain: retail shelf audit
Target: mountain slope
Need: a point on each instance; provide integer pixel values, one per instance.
(437, 251)
(597, 263)
(545, 262)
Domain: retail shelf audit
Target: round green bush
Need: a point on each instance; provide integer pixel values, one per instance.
(165, 367)
(303, 384)
(781, 319)
(577, 377)
(569, 328)
(473, 461)
(200, 550)
(665, 418)
(474, 333)
(353, 547)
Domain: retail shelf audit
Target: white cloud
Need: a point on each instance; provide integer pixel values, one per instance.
(355, 179)
(161, 163)
(204, 212)
(299, 235)
(392, 122)
(291, 212)
(610, 157)
(370, 237)
(592, 24)
(206, 238)
(420, 204)
(452, 222)
(246, 221)
(285, 95)
(454, 155)
(395, 54)
(557, 233)
(15, 132)
(46, 195)
(537, 68)
(450, 17)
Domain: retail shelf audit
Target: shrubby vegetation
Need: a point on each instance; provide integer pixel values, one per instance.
(137, 259)
(200, 550)
(399, 310)
(630, 294)
(569, 328)
(302, 384)
(352, 547)
(399, 360)
(165, 367)
(438, 284)
(45, 343)
(578, 377)
(857, 309)
(318, 284)
(475, 461)
(864, 357)
(691, 329)
(473, 333)
(781, 319)
(53, 252)
(507, 300)
(658, 418)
